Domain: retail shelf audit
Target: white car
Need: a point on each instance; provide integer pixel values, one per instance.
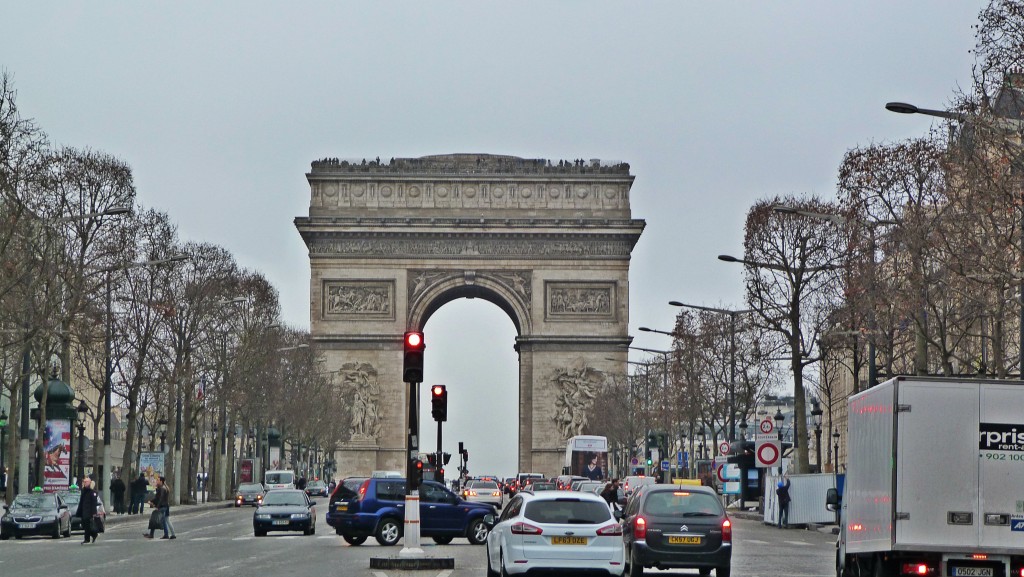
(483, 492)
(554, 531)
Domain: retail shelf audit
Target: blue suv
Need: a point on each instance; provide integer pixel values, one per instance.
(378, 509)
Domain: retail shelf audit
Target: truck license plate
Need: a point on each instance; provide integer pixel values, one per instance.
(971, 571)
(556, 540)
(684, 540)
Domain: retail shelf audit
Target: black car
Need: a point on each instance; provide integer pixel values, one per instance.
(36, 514)
(249, 494)
(673, 527)
(285, 510)
(316, 487)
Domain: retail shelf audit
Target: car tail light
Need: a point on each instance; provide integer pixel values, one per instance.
(363, 488)
(472, 493)
(640, 528)
(726, 531)
(521, 528)
(613, 529)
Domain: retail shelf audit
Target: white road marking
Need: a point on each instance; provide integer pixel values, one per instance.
(379, 574)
(755, 541)
(201, 538)
(797, 542)
(445, 573)
(222, 568)
(243, 538)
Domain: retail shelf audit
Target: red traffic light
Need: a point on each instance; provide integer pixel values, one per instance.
(419, 464)
(437, 390)
(413, 340)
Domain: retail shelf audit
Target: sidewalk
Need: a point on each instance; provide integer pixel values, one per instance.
(829, 529)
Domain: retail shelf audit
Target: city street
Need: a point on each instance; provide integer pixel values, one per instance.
(220, 542)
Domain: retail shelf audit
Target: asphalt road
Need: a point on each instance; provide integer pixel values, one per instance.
(220, 542)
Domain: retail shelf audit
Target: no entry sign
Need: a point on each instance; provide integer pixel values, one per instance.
(767, 451)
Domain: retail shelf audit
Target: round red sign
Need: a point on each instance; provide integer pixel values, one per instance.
(768, 454)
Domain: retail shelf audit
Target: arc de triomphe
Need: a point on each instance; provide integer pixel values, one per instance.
(547, 242)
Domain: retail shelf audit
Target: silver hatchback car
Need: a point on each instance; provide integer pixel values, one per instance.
(483, 492)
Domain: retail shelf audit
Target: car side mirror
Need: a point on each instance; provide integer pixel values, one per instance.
(489, 520)
(312, 503)
(617, 514)
(832, 500)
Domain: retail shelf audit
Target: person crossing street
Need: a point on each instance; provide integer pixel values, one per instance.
(162, 503)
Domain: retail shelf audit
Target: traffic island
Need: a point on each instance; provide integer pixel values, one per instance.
(412, 563)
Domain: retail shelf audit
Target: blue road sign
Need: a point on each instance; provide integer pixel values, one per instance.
(664, 465)
(679, 457)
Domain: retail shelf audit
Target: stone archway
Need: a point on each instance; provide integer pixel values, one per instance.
(389, 244)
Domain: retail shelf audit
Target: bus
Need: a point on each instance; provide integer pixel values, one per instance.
(587, 456)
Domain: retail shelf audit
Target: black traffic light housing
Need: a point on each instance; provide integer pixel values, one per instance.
(412, 360)
(432, 459)
(445, 457)
(439, 402)
(417, 475)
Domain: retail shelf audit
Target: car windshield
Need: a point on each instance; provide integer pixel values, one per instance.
(249, 487)
(485, 485)
(35, 501)
(682, 504)
(284, 498)
(567, 511)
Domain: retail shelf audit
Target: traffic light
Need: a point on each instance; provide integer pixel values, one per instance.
(412, 371)
(432, 459)
(649, 461)
(445, 457)
(465, 455)
(417, 475)
(439, 402)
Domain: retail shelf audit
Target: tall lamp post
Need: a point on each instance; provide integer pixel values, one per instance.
(835, 443)
(732, 356)
(82, 409)
(816, 417)
(1006, 124)
(3, 445)
(104, 478)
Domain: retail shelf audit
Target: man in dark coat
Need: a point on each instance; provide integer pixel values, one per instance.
(782, 490)
(139, 489)
(117, 489)
(87, 509)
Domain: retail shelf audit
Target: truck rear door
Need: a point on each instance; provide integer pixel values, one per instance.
(936, 462)
(1000, 449)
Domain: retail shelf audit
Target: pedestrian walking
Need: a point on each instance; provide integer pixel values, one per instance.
(611, 494)
(162, 502)
(117, 488)
(139, 489)
(87, 510)
(782, 490)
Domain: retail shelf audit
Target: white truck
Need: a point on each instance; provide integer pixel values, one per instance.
(934, 480)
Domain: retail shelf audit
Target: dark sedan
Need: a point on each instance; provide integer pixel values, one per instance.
(285, 510)
(71, 499)
(316, 487)
(249, 494)
(36, 514)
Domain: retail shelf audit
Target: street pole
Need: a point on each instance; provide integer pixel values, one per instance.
(412, 496)
(23, 448)
(732, 377)
(104, 477)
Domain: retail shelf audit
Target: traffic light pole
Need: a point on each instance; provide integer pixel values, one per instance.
(412, 490)
(439, 466)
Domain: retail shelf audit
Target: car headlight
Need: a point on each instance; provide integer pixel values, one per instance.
(47, 518)
(300, 516)
(263, 517)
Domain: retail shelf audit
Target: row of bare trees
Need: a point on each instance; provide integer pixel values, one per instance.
(917, 267)
(84, 266)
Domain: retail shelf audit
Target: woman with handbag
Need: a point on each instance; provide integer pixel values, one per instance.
(87, 510)
(161, 502)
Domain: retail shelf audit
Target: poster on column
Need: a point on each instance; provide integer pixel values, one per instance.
(57, 449)
(275, 459)
(152, 466)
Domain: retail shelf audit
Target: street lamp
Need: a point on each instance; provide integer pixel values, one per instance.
(649, 330)
(1004, 124)
(816, 417)
(835, 443)
(108, 387)
(779, 418)
(743, 429)
(732, 355)
(162, 423)
(3, 445)
(82, 409)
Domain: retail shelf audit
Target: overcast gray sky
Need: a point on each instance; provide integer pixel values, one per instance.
(219, 107)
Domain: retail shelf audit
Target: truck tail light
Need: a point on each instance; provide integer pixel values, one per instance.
(726, 531)
(640, 528)
(916, 569)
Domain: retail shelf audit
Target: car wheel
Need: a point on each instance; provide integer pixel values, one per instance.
(4, 536)
(389, 531)
(56, 531)
(723, 571)
(443, 540)
(635, 569)
(477, 532)
(260, 533)
(355, 541)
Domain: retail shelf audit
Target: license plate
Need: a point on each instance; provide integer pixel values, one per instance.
(684, 540)
(26, 525)
(971, 571)
(341, 507)
(556, 540)
(282, 522)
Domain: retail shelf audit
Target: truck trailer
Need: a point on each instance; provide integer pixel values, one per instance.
(934, 480)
